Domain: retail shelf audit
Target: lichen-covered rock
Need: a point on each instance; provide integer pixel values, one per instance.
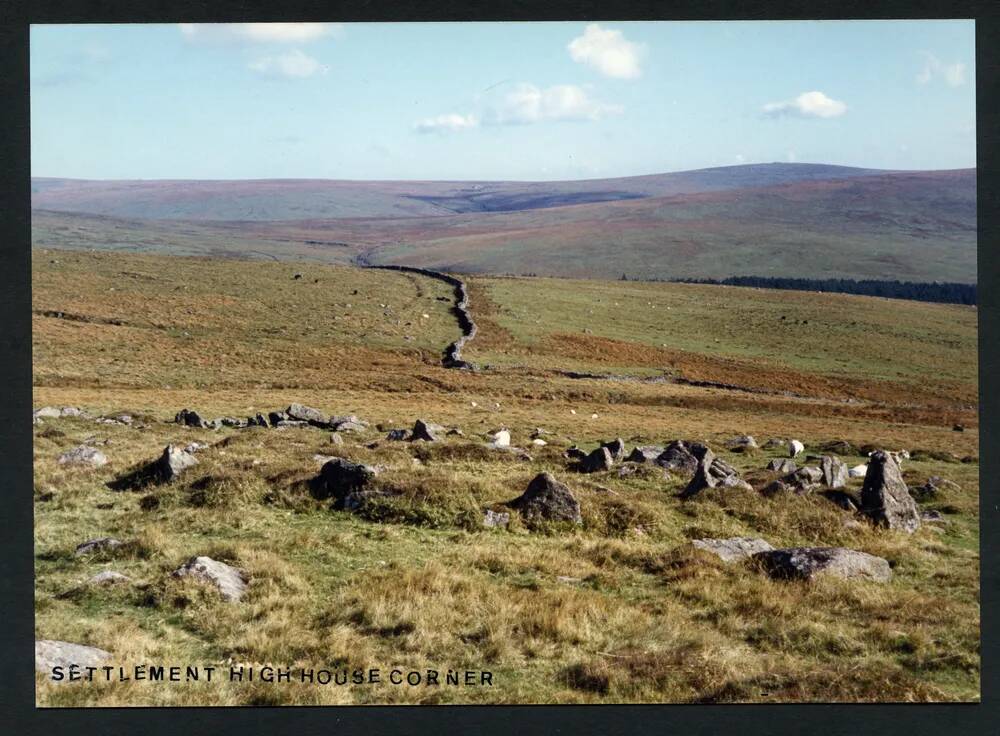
(232, 583)
(733, 549)
(807, 563)
(493, 519)
(398, 435)
(743, 443)
(97, 545)
(885, 498)
(681, 456)
(645, 454)
(173, 462)
(598, 460)
(302, 413)
(545, 498)
(50, 654)
(835, 472)
(782, 465)
(84, 455)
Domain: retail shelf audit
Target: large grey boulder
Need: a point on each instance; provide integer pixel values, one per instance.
(681, 456)
(712, 472)
(645, 454)
(835, 472)
(173, 462)
(84, 455)
(598, 460)
(494, 519)
(302, 413)
(97, 545)
(807, 563)
(344, 481)
(398, 435)
(885, 498)
(50, 654)
(425, 431)
(617, 449)
(349, 423)
(733, 549)
(232, 583)
(782, 465)
(548, 499)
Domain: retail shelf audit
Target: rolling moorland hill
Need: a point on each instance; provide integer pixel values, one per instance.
(299, 199)
(770, 220)
(618, 608)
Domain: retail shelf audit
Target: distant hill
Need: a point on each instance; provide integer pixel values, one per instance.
(300, 199)
(773, 220)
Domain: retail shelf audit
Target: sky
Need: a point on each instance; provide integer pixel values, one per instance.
(489, 101)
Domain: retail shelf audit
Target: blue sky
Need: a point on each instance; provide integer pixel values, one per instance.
(497, 100)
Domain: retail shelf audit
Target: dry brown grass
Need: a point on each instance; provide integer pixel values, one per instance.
(620, 609)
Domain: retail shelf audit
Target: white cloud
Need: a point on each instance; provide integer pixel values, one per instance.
(449, 122)
(934, 68)
(607, 51)
(527, 104)
(294, 64)
(258, 32)
(807, 105)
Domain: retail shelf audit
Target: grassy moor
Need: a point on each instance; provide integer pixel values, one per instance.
(625, 606)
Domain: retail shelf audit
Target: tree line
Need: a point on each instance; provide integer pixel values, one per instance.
(945, 292)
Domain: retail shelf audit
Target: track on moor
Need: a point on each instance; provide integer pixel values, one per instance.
(452, 356)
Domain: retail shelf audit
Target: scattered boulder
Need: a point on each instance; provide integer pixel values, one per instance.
(290, 424)
(275, 417)
(885, 498)
(733, 549)
(231, 422)
(190, 418)
(349, 423)
(425, 432)
(539, 442)
(795, 447)
(548, 499)
(645, 454)
(834, 471)
(336, 439)
(257, 420)
(83, 455)
(97, 545)
(932, 517)
(801, 480)
(347, 482)
(743, 443)
(598, 460)
(930, 490)
(232, 583)
(807, 563)
(681, 456)
(50, 654)
(703, 477)
(195, 447)
(173, 462)
(617, 449)
(494, 519)
(574, 453)
(858, 471)
(308, 414)
(52, 412)
(398, 435)
(782, 465)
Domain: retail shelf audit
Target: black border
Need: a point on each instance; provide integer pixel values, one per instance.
(17, 711)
